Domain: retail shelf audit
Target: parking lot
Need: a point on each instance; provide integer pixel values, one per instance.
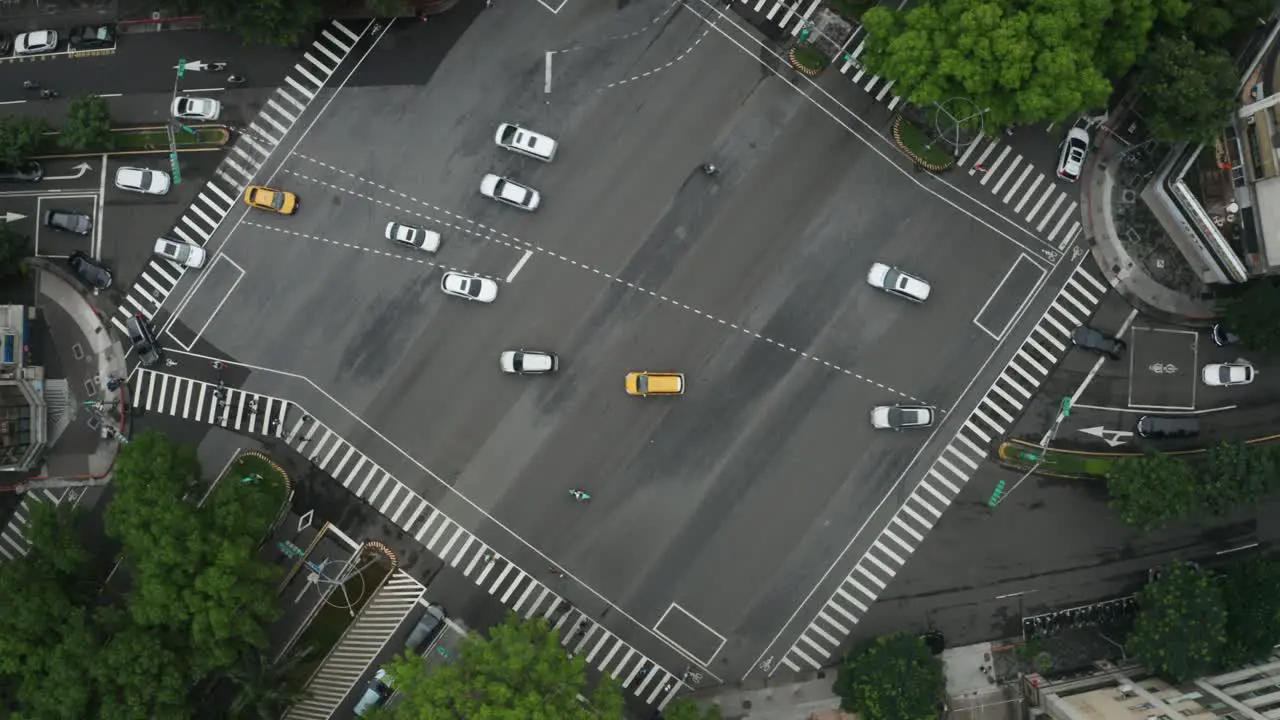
(712, 514)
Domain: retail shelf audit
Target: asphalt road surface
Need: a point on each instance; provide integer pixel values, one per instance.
(714, 513)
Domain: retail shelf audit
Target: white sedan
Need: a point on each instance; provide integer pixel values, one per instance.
(897, 417)
(509, 192)
(186, 254)
(894, 281)
(142, 180)
(413, 236)
(528, 362)
(34, 43)
(470, 287)
(526, 142)
(1224, 374)
(188, 107)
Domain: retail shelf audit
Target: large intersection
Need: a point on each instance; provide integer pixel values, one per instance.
(717, 514)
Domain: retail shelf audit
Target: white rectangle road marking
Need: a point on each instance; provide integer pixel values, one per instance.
(1049, 215)
(298, 86)
(1027, 195)
(1004, 177)
(516, 270)
(1021, 178)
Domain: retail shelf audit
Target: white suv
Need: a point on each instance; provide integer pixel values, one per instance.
(510, 192)
(525, 142)
(1074, 148)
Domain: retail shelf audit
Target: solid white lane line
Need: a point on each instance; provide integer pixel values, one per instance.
(515, 270)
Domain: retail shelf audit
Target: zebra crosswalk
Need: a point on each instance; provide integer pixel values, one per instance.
(247, 154)
(516, 588)
(994, 414)
(1005, 173)
(13, 539)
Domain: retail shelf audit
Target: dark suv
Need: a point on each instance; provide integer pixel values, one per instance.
(144, 341)
(29, 171)
(67, 221)
(1096, 341)
(94, 273)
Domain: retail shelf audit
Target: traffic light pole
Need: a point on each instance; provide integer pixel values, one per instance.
(999, 496)
(181, 68)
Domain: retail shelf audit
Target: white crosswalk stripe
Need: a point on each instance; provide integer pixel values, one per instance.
(951, 470)
(454, 544)
(250, 150)
(13, 539)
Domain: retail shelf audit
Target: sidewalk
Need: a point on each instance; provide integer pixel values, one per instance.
(1124, 262)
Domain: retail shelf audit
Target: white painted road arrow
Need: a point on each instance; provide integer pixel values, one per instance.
(11, 216)
(195, 65)
(1110, 437)
(82, 167)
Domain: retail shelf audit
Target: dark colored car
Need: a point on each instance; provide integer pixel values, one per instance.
(1096, 341)
(6, 43)
(144, 341)
(29, 171)
(1223, 337)
(1154, 426)
(422, 635)
(67, 221)
(92, 37)
(95, 274)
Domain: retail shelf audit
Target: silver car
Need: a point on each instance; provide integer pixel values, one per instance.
(898, 417)
(896, 282)
(510, 192)
(186, 254)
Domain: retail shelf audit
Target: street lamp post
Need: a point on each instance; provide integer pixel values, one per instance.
(1064, 411)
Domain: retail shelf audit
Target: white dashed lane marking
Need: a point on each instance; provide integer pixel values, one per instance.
(471, 227)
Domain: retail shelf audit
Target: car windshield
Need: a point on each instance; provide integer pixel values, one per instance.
(642, 383)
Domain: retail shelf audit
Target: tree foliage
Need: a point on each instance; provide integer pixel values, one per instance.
(1251, 589)
(259, 22)
(519, 673)
(1030, 63)
(1254, 315)
(14, 248)
(686, 709)
(1180, 630)
(1187, 92)
(893, 677)
(19, 137)
(1153, 490)
(88, 125)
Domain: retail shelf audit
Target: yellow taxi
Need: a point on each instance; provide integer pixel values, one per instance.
(265, 198)
(655, 383)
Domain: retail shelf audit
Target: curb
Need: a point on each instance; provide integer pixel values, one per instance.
(224, 132)
(288, 481)
(920, 163)
(791, 58)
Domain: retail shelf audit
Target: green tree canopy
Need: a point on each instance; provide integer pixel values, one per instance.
(1150, 491)
(1187, 93)
(14, 248)
(88, 125)
(1180, 631)
(1251, 589)
(19, 137)
(893, 677)
(1254, 315)
(258, 22)
(1034, 62)
(520, 672)
(686, 709)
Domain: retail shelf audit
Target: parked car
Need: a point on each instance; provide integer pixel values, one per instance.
(143, 340)
(894, 281)
(470, 287)
(898, 417)
(1074, 148)
(528, 362)
(142, 180)
(1225, 374)
(188, 107)
(34, 43)
(1154, 426)
(510, 192)
(67, 221)
(375, 695)
(413, 236)
(427, 629)
(6, 43)
(29, 171)
(655, 383)
(93, 273)
(1222, 337)
(526, 142)
(1096, 341)
(182, 253)
(265, 198)
(91, 37)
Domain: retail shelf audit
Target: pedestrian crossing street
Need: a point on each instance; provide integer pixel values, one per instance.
(519, 590)
(13, 539)
(1030, 366)
(246, 155)
(1005, 173)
